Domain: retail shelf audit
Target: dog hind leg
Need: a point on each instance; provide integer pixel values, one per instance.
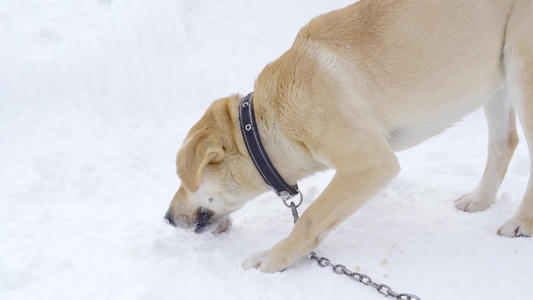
(518, 58)
(503, 140)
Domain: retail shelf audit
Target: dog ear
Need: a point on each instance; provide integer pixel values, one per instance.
(195, 154)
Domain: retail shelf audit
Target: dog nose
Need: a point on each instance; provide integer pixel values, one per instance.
(170, 219)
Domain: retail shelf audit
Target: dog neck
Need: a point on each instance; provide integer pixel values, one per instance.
(291, 158)
(254, 145)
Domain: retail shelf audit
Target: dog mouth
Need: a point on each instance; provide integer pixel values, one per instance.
(206, 220)
(204, 216)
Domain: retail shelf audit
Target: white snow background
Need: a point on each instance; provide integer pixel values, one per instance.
(95, 100)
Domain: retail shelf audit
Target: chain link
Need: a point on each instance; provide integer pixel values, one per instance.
(339, 269)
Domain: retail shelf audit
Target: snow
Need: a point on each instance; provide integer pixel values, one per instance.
(97, 96)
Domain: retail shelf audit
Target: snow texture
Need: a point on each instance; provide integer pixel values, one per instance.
(97, 96)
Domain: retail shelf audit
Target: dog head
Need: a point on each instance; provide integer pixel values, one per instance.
(217, 175)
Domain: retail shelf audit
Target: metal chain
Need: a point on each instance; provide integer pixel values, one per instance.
(383, 289)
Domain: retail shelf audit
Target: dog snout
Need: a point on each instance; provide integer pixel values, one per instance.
(200, 220)
(169, 218)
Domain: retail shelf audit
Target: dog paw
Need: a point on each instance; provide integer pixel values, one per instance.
(472, 203)
(517, 227)
(266, 261)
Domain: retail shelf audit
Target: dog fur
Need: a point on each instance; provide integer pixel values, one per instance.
(357, 85)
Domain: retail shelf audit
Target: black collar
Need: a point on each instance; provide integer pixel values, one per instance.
(259, 156)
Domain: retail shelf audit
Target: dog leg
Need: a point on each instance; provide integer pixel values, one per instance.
(503, 140)
(353, 184)
(518, 55)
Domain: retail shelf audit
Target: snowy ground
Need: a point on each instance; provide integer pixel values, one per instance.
(97, 96)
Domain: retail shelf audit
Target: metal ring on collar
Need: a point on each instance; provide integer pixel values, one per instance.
(288, 201)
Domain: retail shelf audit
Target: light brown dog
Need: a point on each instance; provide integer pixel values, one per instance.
(357, 85)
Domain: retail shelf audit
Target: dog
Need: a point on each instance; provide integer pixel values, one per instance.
(357, 85)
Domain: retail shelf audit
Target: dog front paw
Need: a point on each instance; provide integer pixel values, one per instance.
(517, 227)
(267, 261)
(473, 203)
